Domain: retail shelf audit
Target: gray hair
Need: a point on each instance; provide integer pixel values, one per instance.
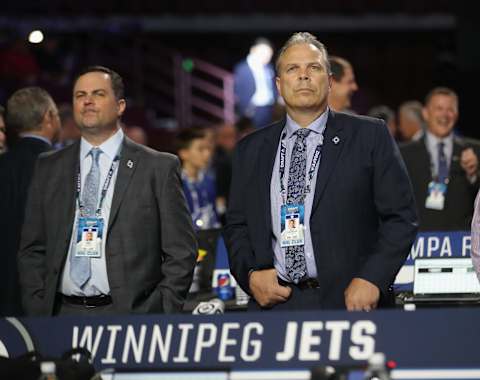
(412, 109)
(303, 38)
(27, 107)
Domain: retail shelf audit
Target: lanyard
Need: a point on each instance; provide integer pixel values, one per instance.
(311, 171)
(105, 187)
(198, 194)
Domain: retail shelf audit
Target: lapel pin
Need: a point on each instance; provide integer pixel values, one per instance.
(130, 164)
(336, 140)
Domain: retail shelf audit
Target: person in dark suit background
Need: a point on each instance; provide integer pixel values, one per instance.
(254, 84)
(32, 113)
(443, 167)
(128, 195)
(344, 173)
(3, 130)
(343, 85)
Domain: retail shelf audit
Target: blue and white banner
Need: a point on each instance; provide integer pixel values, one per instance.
(433, 244)
(424, 338)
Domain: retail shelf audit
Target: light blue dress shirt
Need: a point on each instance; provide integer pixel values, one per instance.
(98, 282)
(432, 142)
(313, 139)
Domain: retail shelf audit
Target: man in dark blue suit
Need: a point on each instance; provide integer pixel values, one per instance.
(255, 91)
(32, 113)
(339, 176)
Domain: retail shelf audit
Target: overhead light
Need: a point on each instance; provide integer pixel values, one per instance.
(35, 37)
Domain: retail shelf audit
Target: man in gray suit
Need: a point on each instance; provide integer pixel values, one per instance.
(107, 229)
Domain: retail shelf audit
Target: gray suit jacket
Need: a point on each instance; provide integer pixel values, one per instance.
(150, 247)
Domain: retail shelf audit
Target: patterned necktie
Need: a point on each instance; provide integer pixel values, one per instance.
(80, 270)
(442, 163)
(295, 255)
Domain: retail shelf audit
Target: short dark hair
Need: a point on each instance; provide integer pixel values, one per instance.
(115, 78)
(440, 91)
(2, 110)
(338, 66)
(187, 135)
(27, 107)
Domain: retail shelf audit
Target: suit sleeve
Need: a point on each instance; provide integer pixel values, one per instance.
(240, 251)
(31, 255)
(179, 243)
(395, 204)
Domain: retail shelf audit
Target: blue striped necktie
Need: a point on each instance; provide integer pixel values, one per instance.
(80, 271)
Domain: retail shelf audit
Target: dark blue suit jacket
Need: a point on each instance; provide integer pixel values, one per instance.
(363, 221)
(244, 85)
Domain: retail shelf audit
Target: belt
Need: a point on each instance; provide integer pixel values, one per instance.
(94, 301)
(309, 283)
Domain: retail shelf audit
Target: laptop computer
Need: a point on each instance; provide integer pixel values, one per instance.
(445, 279)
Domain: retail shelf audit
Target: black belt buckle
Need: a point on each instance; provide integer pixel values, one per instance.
(309, 283)
(88, 302)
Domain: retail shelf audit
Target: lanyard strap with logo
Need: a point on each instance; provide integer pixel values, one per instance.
(202, 210)
(311, 171)
(105, 187)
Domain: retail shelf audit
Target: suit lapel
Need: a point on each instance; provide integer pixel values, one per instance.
(424, 161)
(268, 153)
(333, 143)
(129, 160)
(66, 201)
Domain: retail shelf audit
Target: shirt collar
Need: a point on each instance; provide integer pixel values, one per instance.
(316, 126)
(33, 136)
(110, 147)
(200, 177)
(432, 140)
(254, 63)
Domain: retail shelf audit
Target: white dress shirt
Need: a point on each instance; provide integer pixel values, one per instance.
(98, 282)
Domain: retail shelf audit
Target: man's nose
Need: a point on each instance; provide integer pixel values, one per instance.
(88, 99)
(303, 74)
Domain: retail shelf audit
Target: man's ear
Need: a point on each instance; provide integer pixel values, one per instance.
(277, 83)
(121, 105)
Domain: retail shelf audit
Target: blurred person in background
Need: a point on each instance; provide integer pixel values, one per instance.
(343, 85)
(18, 64)
(386, 114)
(3, 131)
(244, 127)
(411, 124)
(443, 167)
(137, 134)
(33, 114)
(226, 139)
(254, 84)
(69, 133)
(195, 153)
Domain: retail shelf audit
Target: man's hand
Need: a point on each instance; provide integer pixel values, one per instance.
(361, 295)
(469, 162)
(265, 288)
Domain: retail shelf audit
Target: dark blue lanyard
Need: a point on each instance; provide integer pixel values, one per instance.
(198, 193)
(311, 172)
(106, 185)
